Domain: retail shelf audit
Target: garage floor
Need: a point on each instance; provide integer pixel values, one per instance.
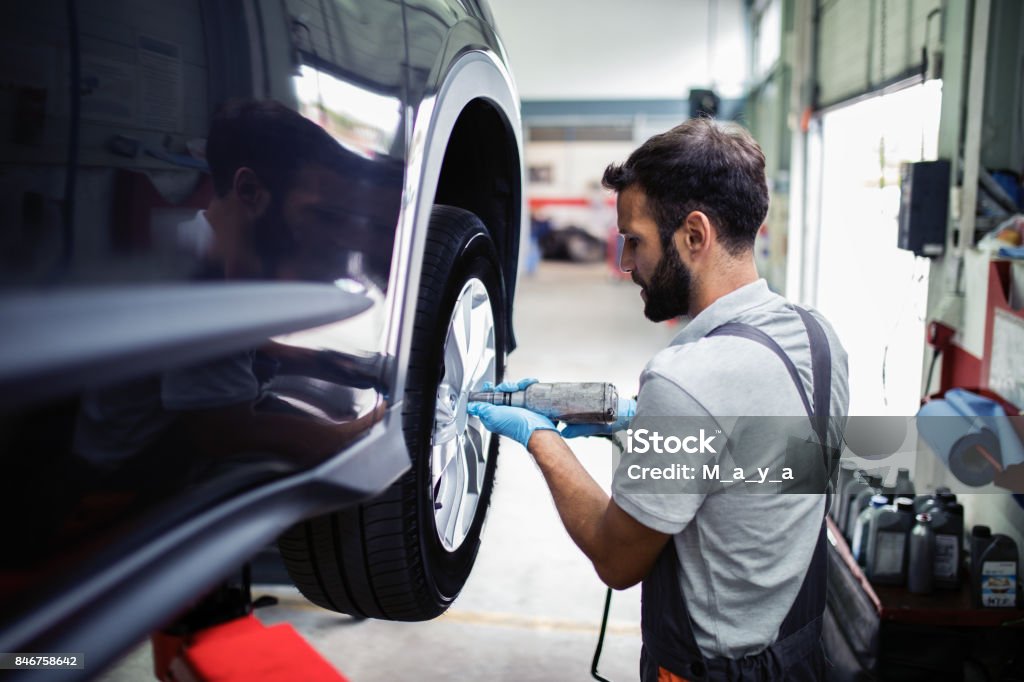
(532, 607)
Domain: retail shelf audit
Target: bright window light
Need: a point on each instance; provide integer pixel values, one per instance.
(873, 293)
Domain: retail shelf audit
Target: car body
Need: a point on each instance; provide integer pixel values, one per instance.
(122, 500)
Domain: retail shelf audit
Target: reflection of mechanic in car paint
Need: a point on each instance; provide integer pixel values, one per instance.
(271, 217)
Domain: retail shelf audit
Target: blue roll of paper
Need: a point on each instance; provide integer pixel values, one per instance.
(965, 444)
(994, 417)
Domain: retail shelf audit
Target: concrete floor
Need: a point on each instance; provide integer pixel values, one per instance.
(532, 607)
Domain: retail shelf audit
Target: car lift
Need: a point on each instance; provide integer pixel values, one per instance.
(220, 640)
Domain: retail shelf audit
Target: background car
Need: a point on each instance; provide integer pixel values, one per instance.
(192, 367)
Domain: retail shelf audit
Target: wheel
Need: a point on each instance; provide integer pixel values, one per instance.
(406, 554)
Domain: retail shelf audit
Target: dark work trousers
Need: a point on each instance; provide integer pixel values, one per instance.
(797, 654)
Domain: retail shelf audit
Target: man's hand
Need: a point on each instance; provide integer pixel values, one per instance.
(517, 423)
(624, 415)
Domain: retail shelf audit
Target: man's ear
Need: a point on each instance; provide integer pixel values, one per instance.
(694, 235)
(250, 190)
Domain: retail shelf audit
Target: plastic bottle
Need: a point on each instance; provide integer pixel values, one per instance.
(905, 505)
(887, 544)
(921, 556)
(904, 486)
(977, 543)
(847, 470)
(860, 544)
(922, 501)
(852, 489)
(948, 526)
(994, 583)
(873, 486)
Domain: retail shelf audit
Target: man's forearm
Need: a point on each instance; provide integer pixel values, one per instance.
(580, 501)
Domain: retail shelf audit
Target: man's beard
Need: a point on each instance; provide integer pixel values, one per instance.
(668, 292)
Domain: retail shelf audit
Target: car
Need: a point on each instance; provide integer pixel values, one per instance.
(254, 255)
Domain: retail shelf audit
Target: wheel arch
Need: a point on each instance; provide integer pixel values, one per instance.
(448, 163)
(482, 173)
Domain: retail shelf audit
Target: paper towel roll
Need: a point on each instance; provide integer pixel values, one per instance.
(964, 444)
(994, 418)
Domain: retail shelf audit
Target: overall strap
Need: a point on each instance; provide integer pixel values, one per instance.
(821, 369)
(752, 333)
(821, 373)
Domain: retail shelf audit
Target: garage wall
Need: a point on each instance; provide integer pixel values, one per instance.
(607, 49)
(766, 115)
(1002, 133)
(866, 44)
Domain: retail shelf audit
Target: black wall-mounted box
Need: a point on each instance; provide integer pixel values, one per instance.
(924, 207)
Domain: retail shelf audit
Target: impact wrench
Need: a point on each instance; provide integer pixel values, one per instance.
(568, 402)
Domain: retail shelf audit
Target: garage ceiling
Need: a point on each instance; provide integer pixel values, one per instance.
(611, 49)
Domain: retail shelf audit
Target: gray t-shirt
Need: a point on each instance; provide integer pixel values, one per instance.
(742, 557)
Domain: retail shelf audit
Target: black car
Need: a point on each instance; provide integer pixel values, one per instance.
(254, 254)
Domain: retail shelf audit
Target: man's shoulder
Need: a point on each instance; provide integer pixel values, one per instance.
(706, 357)
(714, 369)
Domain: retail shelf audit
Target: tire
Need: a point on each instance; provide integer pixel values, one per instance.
(386, 558)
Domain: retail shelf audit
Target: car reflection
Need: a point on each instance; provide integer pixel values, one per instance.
(284, 208)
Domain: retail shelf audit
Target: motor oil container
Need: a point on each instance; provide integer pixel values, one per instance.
(904, 486)
(977, 543)
(887, 545)
(921, 556)
(906, 505)
(862, 501)
(948, 525)
(922, 501)
(860, 543)
(847, 470)
(849, 492)
(994, 580)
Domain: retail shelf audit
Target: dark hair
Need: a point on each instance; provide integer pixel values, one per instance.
(267, 137)
(700, 165)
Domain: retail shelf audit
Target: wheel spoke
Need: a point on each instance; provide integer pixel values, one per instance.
(483, 370)
(459, 493)
(454, 360)
(474, 461)
(480, 331)
(446, 457)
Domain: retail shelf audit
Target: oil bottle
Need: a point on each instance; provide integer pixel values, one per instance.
(860, 544)
(994, 581)
(921, 556)
(872, 487)
(887, 544)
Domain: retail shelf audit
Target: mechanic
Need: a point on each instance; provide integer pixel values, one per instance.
(733, 585)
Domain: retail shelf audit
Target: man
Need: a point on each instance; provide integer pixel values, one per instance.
(733, 585)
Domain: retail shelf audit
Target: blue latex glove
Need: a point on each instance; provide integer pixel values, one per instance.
(624, 414)
(517, 423)
(508, 386)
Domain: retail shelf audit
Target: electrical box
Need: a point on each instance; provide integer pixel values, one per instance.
(704, 103)
(924, 207)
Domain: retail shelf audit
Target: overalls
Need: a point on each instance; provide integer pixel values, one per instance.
(668, 640)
